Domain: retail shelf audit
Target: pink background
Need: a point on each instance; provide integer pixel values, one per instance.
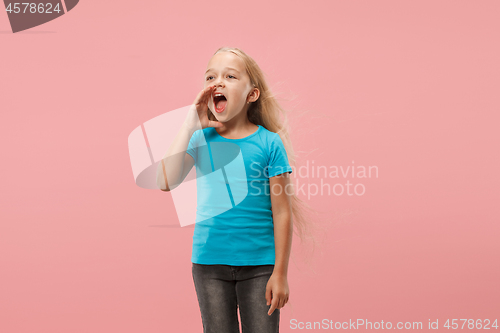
(411, 87)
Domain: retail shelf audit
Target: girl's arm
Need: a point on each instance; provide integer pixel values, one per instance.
(282, 218)
(176, 163)
(277, 288)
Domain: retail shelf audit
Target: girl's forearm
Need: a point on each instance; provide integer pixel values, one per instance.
(283, 232)
(172, 164)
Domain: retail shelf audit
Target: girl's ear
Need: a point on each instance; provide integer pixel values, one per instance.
(254, 95)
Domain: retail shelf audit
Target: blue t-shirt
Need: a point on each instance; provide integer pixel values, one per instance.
(234, 221)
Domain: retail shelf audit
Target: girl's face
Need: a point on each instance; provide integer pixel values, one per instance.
(227, 72)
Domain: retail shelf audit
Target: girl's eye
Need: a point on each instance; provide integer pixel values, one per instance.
(208, 77)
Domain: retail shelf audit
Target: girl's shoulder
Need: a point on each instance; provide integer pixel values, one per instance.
(267, 133)
(271, 142)
(266, 137)
(271, 137)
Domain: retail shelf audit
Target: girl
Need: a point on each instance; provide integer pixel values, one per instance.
(242, 238)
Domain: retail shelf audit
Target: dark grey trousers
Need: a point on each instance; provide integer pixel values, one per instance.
(222, 289)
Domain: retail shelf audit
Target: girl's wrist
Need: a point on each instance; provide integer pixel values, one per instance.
(279, 273)
(188, 128)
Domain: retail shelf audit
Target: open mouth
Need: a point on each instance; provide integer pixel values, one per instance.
(220, 102)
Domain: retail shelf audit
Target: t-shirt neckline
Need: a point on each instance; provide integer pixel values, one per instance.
(245, 138)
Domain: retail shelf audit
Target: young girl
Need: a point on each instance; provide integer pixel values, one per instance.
(243, 234)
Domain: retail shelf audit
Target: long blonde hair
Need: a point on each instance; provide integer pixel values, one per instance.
(266, 111)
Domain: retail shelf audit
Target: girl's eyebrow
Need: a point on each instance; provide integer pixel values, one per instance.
(234, 69)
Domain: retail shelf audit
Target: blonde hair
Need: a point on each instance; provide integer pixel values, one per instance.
(266, 111)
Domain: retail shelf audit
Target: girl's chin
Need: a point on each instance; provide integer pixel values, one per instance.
(220, 114)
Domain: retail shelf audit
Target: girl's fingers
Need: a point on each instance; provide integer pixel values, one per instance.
(202, 95)
(283, 302)
(208, 91)
(212, 123)
(199, 96)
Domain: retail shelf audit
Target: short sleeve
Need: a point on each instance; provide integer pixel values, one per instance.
(278, 159)
(192, 148)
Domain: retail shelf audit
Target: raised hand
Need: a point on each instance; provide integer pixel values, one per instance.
(197, 114)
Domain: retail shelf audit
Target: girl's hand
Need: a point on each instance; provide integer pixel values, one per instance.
(276, 292)
(197, 114)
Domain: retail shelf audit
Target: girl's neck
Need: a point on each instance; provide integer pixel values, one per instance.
(237, 131)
